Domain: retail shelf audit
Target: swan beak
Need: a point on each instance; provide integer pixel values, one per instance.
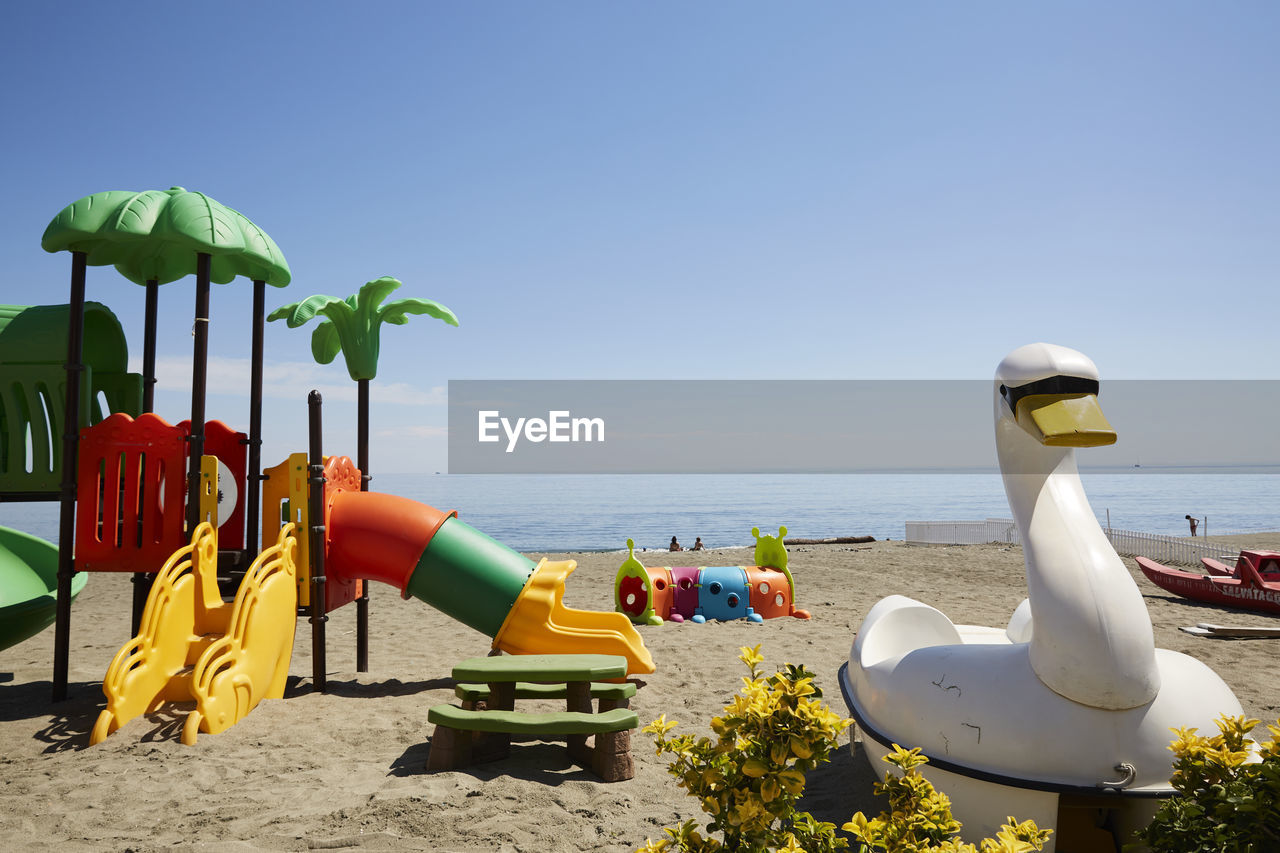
(1065, 420)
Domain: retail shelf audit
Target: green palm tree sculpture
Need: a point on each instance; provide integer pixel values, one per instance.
(354, 324)
(353, 327)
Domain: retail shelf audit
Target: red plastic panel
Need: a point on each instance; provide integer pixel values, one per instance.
(130, 490)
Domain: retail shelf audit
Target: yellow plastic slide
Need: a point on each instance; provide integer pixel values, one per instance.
(540, 623)
(236, 672)
(193, 646)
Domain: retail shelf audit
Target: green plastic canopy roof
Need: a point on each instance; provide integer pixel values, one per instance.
(37, 334)
(158, 233)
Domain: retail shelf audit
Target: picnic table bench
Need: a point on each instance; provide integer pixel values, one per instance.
(468, 734)
(610, 695)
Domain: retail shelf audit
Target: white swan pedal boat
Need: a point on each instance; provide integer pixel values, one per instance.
(1064, 715)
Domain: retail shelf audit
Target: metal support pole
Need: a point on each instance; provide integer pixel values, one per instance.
(254, 481)
(70, 464)
(149, 347)
(199, 378)
(362, 453)
(315, 513)
(142, 580)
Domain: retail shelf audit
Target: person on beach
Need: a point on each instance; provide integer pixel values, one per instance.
(675, 546)
(697, 544)
(1194, 522)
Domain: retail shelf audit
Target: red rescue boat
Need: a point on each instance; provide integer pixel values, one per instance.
(1254, 583)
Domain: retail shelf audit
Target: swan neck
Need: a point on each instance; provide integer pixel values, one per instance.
(1092, 640)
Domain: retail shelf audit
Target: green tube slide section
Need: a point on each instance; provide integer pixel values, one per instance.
(469, 576)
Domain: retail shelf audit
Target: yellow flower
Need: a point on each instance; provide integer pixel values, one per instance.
(751, 657)
(1235, 725)
(1184, 740)
(660, 726)
(857, 825)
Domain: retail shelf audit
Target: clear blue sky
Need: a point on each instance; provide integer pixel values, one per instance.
(673, 190)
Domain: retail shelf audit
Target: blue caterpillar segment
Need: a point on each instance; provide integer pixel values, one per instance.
(723, 594)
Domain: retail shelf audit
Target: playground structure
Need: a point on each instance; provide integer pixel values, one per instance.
(63, 377)
(228, 656)
(214, 619)
(651, 596)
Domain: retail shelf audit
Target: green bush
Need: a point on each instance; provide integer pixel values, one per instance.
(919, 818)
(751, 776)
(1228, 794)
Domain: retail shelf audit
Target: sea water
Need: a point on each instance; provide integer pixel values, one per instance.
(600, 512)
(596, 512)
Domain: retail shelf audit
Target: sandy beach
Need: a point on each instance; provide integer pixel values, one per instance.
(346, 769)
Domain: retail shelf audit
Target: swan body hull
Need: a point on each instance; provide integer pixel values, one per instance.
(999, 741)
(974, 701)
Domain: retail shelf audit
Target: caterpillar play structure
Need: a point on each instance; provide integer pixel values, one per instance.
(653, 595)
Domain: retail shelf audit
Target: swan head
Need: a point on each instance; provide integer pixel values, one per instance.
(1046, 396)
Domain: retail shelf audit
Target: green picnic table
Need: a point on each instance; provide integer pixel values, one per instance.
(469, 734)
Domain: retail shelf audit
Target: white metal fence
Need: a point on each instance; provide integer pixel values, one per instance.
(962, 532)
(1128, 543)
(1167, 549)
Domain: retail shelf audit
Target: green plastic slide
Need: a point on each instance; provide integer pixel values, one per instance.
(28, 585)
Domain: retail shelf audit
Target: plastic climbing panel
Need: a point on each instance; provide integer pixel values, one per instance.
(130, 489)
